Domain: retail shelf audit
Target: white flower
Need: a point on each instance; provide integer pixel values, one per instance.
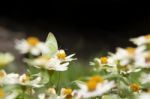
(144, 96)
(143, 60)
(58, 62)
(110, 61)
(5, 58)
(96, 86)
(12, 95)
(141, 40)
(125, 55)
(55, 64)
(145, 78)
(61, 55)
(26, 81)
(11, 79)
(50, 94)
(31, 45)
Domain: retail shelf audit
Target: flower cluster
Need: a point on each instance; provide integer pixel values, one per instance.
(124, 74)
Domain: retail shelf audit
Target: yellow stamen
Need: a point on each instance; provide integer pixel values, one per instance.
(61, 54)
(135, 87)
(147, 36)
(67, 91)
(92, 83)
(2, 93)
(97, 79)
(104, 60)
(32, 41)
(130, 50)
(25, 78)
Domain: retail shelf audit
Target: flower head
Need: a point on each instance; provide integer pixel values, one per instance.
(5, 58)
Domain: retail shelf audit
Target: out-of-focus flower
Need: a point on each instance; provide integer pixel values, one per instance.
(12, 95)
(10, 79)
(144, 96)
(135, 87)
(96, 86)
(5, 58)
(66, 93)
(26, 81)
(50, 94)
(125, 56)
(141, 40)
(59, 62)
(102, 61)
(143, 60)
(145, 78)
(31, 45)
(56, 64)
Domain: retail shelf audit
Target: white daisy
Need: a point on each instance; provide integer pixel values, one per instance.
(141, 40)
(26, 81)
(31, 45)
(56, 64)
(96, 86)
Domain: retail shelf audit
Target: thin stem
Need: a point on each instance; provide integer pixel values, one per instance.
(57, 88)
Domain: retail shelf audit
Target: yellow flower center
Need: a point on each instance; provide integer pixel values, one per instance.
(135, 87)
(147, 36)
(32, 41)
(2, 93)
(67, 91)
(130, 50)
(25, 78)
(61, 54)
(104, 60)
(92, 83)
(97, 78)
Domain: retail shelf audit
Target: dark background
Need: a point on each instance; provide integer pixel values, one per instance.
(86, 28)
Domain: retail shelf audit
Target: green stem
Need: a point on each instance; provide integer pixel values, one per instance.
(57, 88)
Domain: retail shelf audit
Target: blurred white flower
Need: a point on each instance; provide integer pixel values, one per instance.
(125, 55)
(5, 58)
(96, 86)
(144, 96)
(145, 78)
(50, 94)
(26, 81)
(143, 60)
(59, 62)
(110, 61)
(141, 40)
(56, 64)
(10, 79)
(12, 95)
(31, 45)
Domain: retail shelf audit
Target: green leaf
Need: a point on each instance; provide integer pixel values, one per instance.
(51, 43)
